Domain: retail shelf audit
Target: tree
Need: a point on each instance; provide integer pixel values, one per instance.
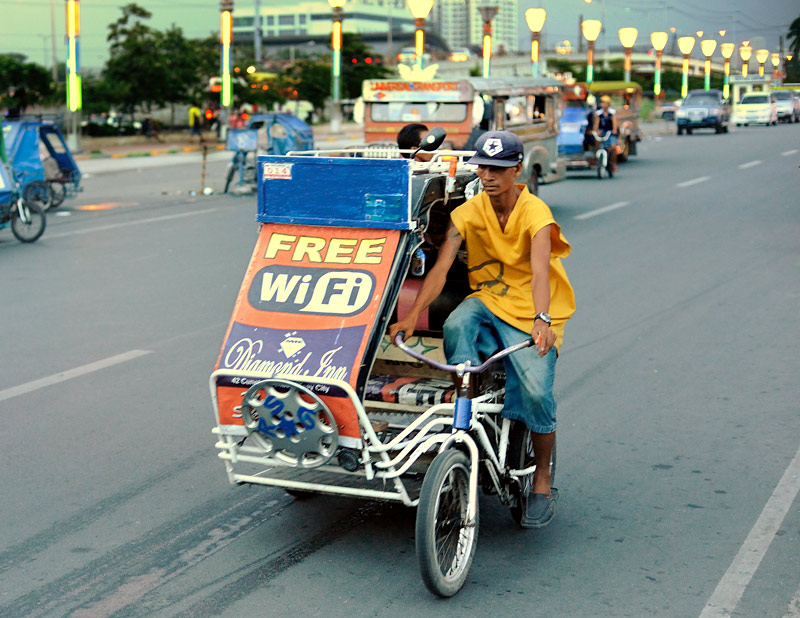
(356, 67)
(312, 82)
(793, 67)
(136, 66)
(22, 83)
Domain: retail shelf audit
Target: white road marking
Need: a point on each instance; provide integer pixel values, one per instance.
(600, 211)
(744, 166)
(113, 226)
(794, 606)
(29, 387)
(789, 153)
(693, 181)
(730, 588)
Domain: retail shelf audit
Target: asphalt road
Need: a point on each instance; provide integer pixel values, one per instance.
(679, 422)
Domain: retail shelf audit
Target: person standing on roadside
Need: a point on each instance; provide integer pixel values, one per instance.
(195, 122)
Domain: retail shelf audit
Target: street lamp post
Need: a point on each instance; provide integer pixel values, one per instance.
(225, 35)
(685, 44)
(762, 55)
(336, 64)
(745, 51)
(627, 36)
(659, 41)
(420, 10)
(727, 49)
(775, 59)
(535, 19)
(707, 46)
(487, 15)
(591, 30)
(74, 97)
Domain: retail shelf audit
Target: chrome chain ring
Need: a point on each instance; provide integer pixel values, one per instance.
(290, 423)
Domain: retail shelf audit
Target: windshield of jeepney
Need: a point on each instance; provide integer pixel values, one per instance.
(404, 111)
(619, 100)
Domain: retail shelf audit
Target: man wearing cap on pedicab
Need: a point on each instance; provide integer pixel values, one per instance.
(605, 122)
(520, 290)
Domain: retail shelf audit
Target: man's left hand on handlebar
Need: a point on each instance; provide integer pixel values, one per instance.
(543, 336)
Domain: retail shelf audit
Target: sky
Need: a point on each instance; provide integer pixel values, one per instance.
(25, 25)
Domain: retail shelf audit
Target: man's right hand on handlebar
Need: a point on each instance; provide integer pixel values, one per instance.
(406, 326)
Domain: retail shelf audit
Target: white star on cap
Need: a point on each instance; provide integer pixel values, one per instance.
(493, 146)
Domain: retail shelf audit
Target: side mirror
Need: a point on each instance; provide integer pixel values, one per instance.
(432, 140)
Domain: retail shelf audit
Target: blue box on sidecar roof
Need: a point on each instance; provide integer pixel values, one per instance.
(335, 191)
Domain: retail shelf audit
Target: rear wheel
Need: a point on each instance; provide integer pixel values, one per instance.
(59, 190)
(689, 131)
(29, 225)
(445, 540)
(533, 182)
(625, 152)
(39, 193)
(521, 456)
(680, 130)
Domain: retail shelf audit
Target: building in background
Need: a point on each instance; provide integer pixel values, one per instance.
(459, 23)
(284, 23)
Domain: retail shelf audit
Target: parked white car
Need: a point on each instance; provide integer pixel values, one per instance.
(788, 105)
(756, 108)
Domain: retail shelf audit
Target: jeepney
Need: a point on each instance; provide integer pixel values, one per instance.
(626, 100)
(528, 107)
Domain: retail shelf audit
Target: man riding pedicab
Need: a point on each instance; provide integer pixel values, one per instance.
(520, 291)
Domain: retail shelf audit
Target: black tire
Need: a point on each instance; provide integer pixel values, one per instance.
(445, 543)
(229, 178)
(689, 131)
(625, 152)
(718, 129)
(533, 182)
(38, 192)
(299, 494)
(680, 130)
(33, 228)
(59, 190)
(521, 456)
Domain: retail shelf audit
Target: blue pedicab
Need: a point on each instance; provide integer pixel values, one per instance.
(27, 220)
(45, 183)
(308, 392)
(271, 134)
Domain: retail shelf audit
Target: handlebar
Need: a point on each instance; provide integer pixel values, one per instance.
(461, 368)
(605, 138)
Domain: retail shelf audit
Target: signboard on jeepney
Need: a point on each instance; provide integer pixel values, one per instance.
(385, 91)
(306, 309)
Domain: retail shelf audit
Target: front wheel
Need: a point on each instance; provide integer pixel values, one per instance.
(27, 225)
(445, 540)
(39, 193)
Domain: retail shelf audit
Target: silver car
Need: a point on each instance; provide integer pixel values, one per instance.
(788, 105)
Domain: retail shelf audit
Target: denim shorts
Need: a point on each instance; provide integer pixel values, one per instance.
(473, 333)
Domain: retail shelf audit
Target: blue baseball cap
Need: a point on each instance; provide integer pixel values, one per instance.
(498, 148)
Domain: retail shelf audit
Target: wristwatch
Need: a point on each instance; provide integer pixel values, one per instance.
(544, 317)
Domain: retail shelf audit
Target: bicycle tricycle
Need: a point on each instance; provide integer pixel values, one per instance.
(309, 393)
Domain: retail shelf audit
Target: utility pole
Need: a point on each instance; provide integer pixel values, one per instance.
(257, 31)
(53, 40)
(580, 34)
